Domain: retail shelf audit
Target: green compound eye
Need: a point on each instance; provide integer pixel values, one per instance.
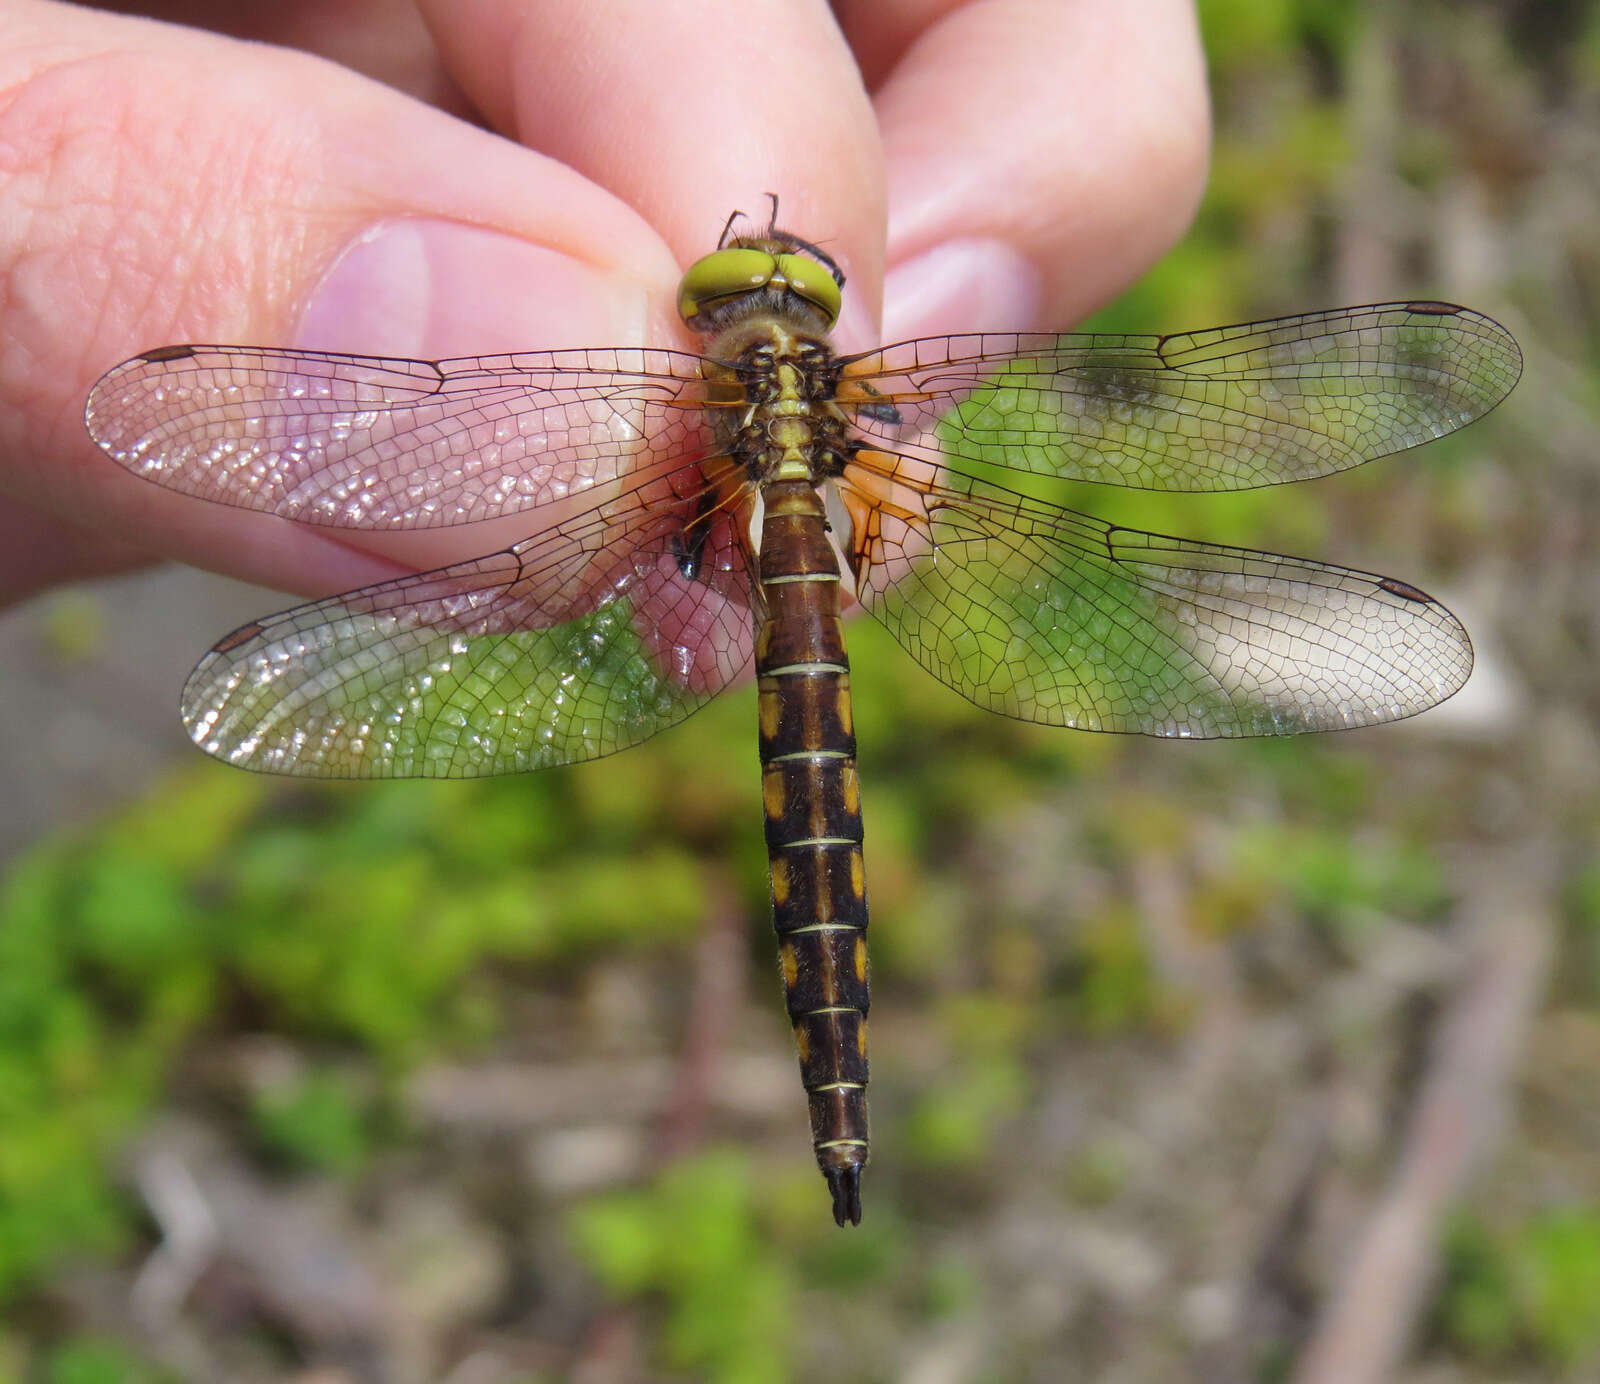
(729, 273)
(723, 275)
(813, 282)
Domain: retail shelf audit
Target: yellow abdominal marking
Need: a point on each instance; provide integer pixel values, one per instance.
(790, 964)
(769, 709)
(861, 959)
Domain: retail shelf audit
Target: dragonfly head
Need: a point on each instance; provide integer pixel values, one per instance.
(774, 271)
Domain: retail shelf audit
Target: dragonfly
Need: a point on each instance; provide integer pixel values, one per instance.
(693, 513)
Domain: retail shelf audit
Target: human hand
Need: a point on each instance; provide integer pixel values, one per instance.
(978, 166)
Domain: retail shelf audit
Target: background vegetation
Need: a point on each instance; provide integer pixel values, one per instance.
(490, 1081)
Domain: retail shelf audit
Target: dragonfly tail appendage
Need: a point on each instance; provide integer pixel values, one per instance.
(845, 1185)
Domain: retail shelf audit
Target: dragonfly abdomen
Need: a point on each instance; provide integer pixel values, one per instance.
(812, 799)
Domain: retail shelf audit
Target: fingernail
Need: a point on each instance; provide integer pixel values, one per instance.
(971, 285)
(431, 288)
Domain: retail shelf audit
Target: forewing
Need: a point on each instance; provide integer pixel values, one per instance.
(566, 647)
(366, 442)
(1224, 409)
(1044, 614)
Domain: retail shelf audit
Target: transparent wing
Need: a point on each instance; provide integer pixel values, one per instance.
(1044, 614)
(1224, 409)
(366, 442)
(566, 647)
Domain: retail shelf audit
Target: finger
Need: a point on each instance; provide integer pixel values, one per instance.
(689, 111)
(165, 186)
(880, 31)
(1040, 154)
(38, 551)
(382, 39)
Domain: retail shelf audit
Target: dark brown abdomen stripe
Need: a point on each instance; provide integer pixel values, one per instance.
(812, 798)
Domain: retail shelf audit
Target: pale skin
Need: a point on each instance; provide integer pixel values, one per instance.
(530, 175)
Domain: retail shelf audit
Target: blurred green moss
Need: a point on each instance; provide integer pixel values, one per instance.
(356, 916)
(314, 1121)
(1525, 1290)
(726, 1291)
(1583, 928)
(93, 1361)
(1340, 881)
(955, 1123)
(73, 625)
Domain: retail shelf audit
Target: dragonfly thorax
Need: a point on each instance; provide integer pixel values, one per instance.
(786, 423)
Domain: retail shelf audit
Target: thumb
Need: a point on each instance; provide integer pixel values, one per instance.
(182, 187)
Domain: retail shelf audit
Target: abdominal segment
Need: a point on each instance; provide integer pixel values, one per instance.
(812, 800)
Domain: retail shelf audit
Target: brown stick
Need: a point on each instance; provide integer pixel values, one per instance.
(715, 998)
(1508, 937)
